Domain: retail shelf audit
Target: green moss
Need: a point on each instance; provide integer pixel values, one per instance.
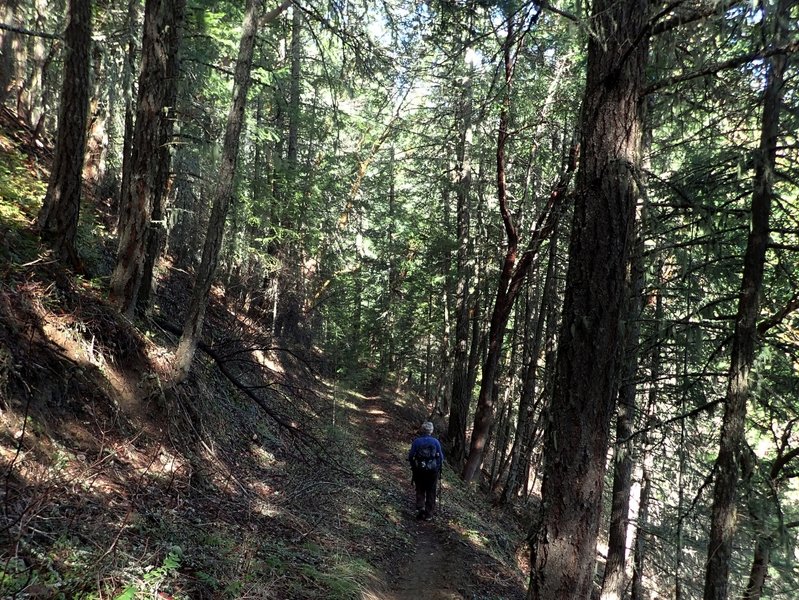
(21, 193)
(21, 190)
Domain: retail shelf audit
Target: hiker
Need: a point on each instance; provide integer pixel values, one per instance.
(426, 458)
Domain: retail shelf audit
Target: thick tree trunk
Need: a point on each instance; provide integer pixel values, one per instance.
(615, 578)
(724, 512)
(144, 186)
(58, 218)
(563, 541)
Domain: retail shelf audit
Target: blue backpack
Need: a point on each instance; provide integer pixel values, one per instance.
(425, 459)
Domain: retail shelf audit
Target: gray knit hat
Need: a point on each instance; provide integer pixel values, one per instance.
(427, 427)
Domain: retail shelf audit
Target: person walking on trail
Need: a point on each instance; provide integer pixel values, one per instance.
(426, 458)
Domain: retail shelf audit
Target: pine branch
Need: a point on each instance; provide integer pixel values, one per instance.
(713, 68)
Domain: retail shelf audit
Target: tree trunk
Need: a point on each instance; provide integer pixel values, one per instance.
(294, 97)
(58, 218)
(461, 392)
(563, 541)
(145, 188)
(550, 355)
(9, 43)
(525, 422)
(759, 570)
(33, 107)
(128, 68)
(192, 329)
(724, 512)
(615, 577)
(639, 546)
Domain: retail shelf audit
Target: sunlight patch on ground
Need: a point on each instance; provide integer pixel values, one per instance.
(264, 456)
(266, 509)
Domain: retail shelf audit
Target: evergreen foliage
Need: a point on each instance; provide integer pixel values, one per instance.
(364, 219)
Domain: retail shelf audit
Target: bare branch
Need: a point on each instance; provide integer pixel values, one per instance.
(41, 34)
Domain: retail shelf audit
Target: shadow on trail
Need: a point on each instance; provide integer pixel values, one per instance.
(443, 561)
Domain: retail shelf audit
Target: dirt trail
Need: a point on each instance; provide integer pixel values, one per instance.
(441, 565)
(431, 572)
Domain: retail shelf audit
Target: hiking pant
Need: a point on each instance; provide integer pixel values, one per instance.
(426, 491)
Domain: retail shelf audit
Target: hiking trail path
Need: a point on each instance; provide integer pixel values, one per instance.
(442, 564)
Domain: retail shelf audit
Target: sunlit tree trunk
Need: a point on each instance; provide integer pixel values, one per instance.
(615, 577)
(192, 328)
(144, 187)
(724, 512)
(563, 540)
(58, 218)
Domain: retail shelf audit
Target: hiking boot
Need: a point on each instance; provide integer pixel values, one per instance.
(421, 515)
(428, 517)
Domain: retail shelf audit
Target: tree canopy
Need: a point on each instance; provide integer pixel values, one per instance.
(572, 228)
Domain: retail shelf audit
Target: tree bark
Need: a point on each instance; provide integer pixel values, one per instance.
(461, 392)
(527, 414)
(724, 515)
(192, 328)
(563, 540)
(9, 42)
(58, 218)
(144, 187)
(615, 577)
(128, 69)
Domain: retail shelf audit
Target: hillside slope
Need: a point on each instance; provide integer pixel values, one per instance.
(116, 485)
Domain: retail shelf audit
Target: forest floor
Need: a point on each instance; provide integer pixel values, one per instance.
(115, 485)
